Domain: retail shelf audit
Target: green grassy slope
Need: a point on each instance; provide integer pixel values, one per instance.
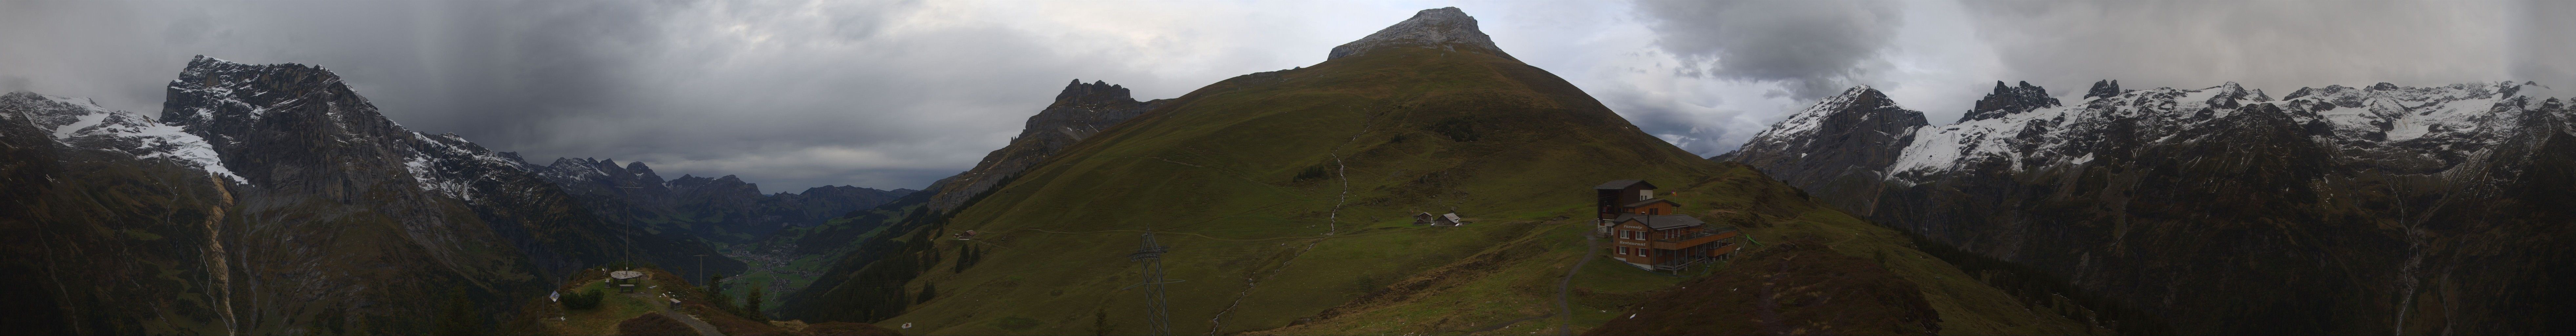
(1287, 198)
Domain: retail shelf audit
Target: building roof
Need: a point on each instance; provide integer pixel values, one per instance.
(1643, 202)
(1623, 184)
(1661, 222)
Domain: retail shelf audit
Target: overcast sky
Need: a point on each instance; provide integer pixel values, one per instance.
(896, 94)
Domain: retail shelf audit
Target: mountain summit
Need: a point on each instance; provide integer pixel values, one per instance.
(1081, 111)
(1835, 147)
(1446, 28)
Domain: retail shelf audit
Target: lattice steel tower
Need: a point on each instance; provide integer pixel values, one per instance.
(1157, 313)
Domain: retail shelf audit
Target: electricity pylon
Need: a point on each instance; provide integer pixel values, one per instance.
(1157, 314)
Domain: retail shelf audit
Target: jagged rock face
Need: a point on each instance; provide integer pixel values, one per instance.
(2009, 100)
(632, 183)
(2103, 88)
(335, 219)
(2334, 210)
(1079, 112)
(1832, 149)
(727, 201)
(1444, 28)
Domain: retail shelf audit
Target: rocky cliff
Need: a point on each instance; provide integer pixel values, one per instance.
(1835, 149)
(2377, 209)
(1080, 111)
(272, 199)
(1445, 28)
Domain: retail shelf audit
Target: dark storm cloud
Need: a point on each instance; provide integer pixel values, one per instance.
(2275, 45)
(1814, 48)
(791, 95)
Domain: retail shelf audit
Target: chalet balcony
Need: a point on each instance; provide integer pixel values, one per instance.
(1688, 240)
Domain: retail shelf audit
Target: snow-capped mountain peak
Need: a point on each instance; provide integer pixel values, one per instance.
(2377, 122)
(293, 118)
(82, 124)
(1857, 98)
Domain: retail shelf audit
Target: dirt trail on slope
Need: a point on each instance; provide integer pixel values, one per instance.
(1591, 249)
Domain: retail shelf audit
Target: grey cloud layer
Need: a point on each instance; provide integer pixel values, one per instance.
(790, 94)
(895, 94)
(1816, 47)
(2277, 45)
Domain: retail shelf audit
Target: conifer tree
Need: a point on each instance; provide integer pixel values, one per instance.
(751, 304)
(458, 317)
(928, 291)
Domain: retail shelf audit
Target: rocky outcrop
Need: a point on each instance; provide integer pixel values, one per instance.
(2103, 88)
(2384, 209)
(1445, 28)
(2009, 100)
(1836, 149)
(1080, 111)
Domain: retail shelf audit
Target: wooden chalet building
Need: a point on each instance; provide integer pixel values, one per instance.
(1649, 232)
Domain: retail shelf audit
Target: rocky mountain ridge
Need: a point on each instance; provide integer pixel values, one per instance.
(1446, 28)
(1080, 111)
(724, 209)
(1809, 149)
(274, 199)
(79, 123)
(2222, 210)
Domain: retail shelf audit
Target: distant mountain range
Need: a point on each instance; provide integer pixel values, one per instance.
(723, 209)
(2345, 210)
(273, 199)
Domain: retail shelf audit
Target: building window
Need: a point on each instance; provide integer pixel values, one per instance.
(1623, 250)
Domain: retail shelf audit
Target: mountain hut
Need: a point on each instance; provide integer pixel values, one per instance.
(1649, 233)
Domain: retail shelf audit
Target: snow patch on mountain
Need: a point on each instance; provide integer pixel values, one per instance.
(2448, 123)
(450, 165)
(1808, 121)
(81, 123)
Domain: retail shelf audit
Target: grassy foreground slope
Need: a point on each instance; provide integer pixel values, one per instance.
(1287, 198)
